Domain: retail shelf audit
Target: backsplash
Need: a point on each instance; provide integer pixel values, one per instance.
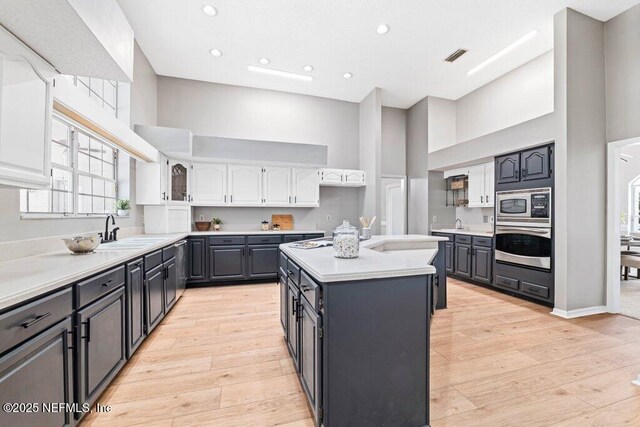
(474, 218)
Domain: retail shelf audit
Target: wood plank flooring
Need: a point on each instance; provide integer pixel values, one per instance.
(218, 359)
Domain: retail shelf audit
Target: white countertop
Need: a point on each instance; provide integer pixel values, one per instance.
(463, 231)
(415, 259)
(24, 278)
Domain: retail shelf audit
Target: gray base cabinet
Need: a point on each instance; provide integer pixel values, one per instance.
(197, 259)
(310, 346)
(293, 298)
(463, 260)
(469, 257)
(482, 264)
(39, 371)
(154, 297)
(135, 305)
(226, 262)
(170, 284)
(263, 261)
(101, 344)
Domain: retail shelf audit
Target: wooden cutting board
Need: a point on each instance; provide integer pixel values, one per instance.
(285, 221)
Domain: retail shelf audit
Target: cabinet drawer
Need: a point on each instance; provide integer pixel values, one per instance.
(288, 238)
(226, 240)
(259, 240)
(313, 236)
(507, 282)
(448, 236)
(463, 239)
(168, 253)
(294, 272)
(24, 322)
(152, 260)
(536, 290)
(310, 289)
(482, 241)
(282, 261)
(91, 289)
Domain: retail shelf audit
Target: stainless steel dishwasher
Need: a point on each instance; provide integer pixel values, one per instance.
(181, 267)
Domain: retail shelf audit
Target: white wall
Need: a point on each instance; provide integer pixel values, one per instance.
(417, 170)
(622, 62)
(370, 151)
(240, 112)
(442, 123)
(394, 141)
(520, 95)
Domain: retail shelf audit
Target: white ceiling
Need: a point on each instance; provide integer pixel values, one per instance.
(338, 36)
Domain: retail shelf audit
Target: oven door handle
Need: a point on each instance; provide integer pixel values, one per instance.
(531, 231)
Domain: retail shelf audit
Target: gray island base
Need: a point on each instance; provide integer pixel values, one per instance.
(360, 339)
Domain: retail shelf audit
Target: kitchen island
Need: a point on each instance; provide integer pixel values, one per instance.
(358, 329)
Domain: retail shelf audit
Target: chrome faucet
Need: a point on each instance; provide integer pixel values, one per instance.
(458, 220)
(109, 237)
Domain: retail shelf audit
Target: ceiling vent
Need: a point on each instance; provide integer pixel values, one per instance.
(455, 55)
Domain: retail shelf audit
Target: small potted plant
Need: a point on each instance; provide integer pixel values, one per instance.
(216, 223)
(123, 206)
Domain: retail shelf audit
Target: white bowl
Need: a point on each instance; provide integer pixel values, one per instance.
(82, 244)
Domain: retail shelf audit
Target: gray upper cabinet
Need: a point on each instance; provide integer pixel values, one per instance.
(135, 305)
(536, 163)
(508, 169)
(101, 344)
(40, 370)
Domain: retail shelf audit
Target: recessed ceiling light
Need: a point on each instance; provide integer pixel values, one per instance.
(209, 10)
(383, 29)
(216, 52)
(503, 52)
(279, 73)
(308, 68)
(347, 75)
(264, 61)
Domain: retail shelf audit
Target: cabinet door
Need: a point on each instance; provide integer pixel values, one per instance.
(276, 185)
(476, 186)
(354, 177)
(40, 370)
(508, 169)
(489, 184)
(209, 183)
(179, 182)
(310, 353)
(154, 296)
(263, 261)
(283, 301)
(151, 182)
(135, 305)
(197, 259)
(226, 262)
(293, 298)
(482, 264)
(331, 176)
(25, 124)
(463, 260)
(170, 284)
(535, 164)
(450, 256)
(101, 344)
(245, 185)
(306, 187)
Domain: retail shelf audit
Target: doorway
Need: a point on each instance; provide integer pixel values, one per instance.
(393, 193)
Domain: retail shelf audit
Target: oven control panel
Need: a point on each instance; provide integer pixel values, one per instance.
(540, 205)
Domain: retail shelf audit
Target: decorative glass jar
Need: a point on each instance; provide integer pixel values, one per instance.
(346, 241)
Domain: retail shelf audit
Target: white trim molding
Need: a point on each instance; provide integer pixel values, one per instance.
(580, 312)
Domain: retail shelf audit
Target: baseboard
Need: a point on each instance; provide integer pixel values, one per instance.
(572, 314)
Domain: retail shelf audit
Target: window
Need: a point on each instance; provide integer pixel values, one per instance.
(103, 92)
(634, 220)
(83, 175)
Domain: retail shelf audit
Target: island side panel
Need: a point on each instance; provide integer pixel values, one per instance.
(376, 352)
(440, 263)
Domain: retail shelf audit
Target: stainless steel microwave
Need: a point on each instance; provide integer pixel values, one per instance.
(524, 208)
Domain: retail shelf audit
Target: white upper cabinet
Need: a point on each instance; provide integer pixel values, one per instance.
(151, 182)
(354, 177)
(245, 185)
(276, 186)
(481, 186)
(306, 187)
(179, 181)
(25, 118)
(209, 184)
(343, 177)
(331, 176)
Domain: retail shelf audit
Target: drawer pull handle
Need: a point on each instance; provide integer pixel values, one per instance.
(35, 320)
(227, 240)
(104, 285)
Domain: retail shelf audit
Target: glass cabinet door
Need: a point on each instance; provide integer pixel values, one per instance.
(179, 175)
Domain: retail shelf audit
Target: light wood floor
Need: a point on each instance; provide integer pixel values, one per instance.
(219, 359)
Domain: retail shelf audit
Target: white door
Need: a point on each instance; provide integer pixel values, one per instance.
(354, 177)
(489, 184)
(476, 186)
(276, 185)
(209, 183)
(179, 185)
(306, 187)
(333, 176)
(245, 185)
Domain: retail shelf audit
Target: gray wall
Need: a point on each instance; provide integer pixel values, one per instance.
(370, 154)
(240, 112)
(622, 62)
(394, 141)
(580, 195)
(442, 123)
(440, 215)
(14, 228)
(417, 156)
